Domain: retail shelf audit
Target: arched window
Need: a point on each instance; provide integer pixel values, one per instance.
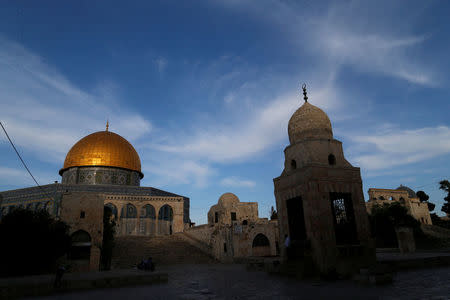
(165, 213)
(129, 211)
(381, 198)
(80, 247)
(391, 198)
(165, 219)
(148, 211)
(260, 240)
(113, 209)
(402, 200)
(331, 160)
(245, 222)
(293, 164)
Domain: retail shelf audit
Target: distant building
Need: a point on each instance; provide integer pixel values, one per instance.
(403, 195)
(234, 231)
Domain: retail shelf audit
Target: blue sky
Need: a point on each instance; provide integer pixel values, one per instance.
(204, 89)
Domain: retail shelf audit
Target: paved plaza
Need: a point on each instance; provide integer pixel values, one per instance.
(217, 281)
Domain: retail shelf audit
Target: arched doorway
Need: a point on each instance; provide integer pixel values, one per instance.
(113, 209)
(147, 220)
(165, 219)
(261, 245)
(128, 219)
(80, 247)
(80, 250)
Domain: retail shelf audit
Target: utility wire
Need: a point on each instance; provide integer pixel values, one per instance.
(14, 147)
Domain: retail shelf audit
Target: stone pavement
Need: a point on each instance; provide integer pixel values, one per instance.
(235, 282)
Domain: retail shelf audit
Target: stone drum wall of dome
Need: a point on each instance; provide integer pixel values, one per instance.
(101, 175)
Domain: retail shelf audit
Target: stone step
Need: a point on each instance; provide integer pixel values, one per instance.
(164, 250)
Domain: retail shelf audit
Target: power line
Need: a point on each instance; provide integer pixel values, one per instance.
(14, 147)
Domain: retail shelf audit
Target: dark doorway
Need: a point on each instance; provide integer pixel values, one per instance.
(297, 229)
(344, 218)
(296, 219)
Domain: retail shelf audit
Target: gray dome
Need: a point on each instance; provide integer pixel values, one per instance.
(411, 193)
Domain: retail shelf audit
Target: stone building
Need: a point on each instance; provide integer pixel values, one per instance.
(102, 170)
(234, 231)
(405, 196)
(319, 197)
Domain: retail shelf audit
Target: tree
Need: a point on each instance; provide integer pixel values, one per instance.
(445, 186)
(273, 214)
(384, 218)
(424, 198)
(31, 242)
(109, 225)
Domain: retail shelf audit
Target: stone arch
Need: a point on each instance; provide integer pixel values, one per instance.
(381, 198)
(113, 209)
(391, 198)
(331, 159)
(402, 200)
(80, 245)
(147, 220)
(129, 211)
(165, 219)
(260, 245)
(128, 219)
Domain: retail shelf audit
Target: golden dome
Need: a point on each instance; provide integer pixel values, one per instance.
(103, 148)
(309, 121)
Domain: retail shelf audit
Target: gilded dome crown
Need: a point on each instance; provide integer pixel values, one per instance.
(307, 122)
(103, 148)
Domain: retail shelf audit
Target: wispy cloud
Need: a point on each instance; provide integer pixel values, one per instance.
(173, 171)
(46, 114)
(400, 147)
(257, 131)
(161, 64)
(237, 182)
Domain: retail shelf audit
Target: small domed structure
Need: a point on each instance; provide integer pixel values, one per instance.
(308, 122)
(228, 199)
(411, 193)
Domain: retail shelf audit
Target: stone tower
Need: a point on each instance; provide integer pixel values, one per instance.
(319, 197)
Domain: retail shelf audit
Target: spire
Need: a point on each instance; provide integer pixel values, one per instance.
(304, 93)
(107, 125)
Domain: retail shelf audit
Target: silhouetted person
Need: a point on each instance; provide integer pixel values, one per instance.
(58, 278)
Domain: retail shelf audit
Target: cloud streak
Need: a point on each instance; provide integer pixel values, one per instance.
(400, 147)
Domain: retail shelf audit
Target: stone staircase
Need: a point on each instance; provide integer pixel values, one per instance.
(164, 250)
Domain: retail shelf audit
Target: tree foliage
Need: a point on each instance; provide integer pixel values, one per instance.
(424, 198)
(273, 214)
(31, 242)
(384, 218)
(445, 186)
(109, 226)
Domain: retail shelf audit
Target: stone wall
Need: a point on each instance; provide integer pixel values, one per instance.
(84, 211)
(139, 224)
(415, 208)
(201, 233)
